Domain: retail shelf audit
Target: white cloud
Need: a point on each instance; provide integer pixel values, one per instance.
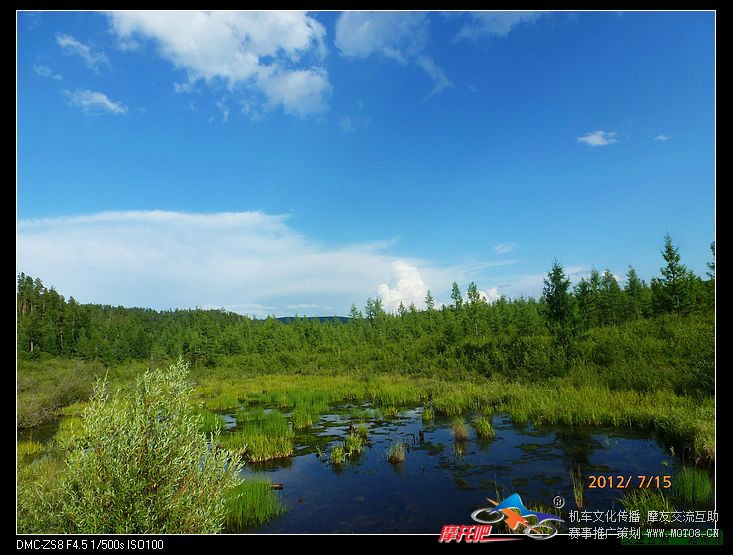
(503, 248)
(93, 102)
(494, 24)
(436, 74)
(489, 295)
(94, 60)
(45, 71)
(410, 287)
(599, 138)
(253, 52)
(400, 36)
(222, 105)
(245, 261)
(663, 137)
(349, 124)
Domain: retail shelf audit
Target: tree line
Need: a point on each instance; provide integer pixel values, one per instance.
(48, 323)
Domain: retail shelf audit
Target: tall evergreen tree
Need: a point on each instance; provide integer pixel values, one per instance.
(429, 300)
(455, 295)
(558, 302)
(675, 282)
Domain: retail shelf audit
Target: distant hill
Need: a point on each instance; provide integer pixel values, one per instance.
(290, 319)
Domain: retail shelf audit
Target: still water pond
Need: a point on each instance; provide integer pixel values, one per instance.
(443, 481)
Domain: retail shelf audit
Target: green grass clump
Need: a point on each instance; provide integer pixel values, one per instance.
(29, 447)
(353, 445)
(427, 414)
(338, 455)
(460, 430)
(692, 486)
(223, 401)
(261, 436)
(210, 422)
(577, 480)
(70, 430)
(250, 503)
(396, 453)
(483, 427)
(362, 430)
(645, 500)
(390, 412)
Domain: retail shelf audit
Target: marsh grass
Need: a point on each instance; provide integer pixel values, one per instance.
(260, 436)
(460, 430)
(249, 504)
(29, 447)
(362, 430)
(210, 422)
(390, 412)
(576, 477)
(353, 445)
(483, 427)
(692, 486)
(338, 455)
(427, 414)
(645, 500)
(396, 453)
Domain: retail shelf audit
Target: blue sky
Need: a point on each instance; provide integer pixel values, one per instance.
(298, 162)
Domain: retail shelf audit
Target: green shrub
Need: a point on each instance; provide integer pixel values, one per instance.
(143, 466)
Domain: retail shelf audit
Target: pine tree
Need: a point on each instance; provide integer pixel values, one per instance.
(558, 302)
(675, 282)
(429, 300)
(455, 295)
(634, 290)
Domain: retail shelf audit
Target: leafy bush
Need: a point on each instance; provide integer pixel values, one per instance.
(141, 465)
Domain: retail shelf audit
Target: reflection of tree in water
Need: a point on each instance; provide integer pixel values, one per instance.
(577, 445)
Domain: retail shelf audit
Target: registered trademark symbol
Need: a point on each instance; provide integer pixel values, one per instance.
(558, 501)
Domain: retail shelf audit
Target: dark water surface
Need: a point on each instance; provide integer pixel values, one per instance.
(443, 481)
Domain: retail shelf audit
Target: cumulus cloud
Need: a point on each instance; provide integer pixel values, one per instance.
(663, 137)
(270, 54)
(599, 138)
(410, 287)
(93, 102)
(503, 248)
(93, 59)
(45, 71)
(494, 24)
(243, 261)
(400, 36)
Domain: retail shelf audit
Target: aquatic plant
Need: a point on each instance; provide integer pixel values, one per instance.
(338, 455)
(692, 486)
(362, 430)
(250, 503)
(396, 453)
(460, 430)
(427, 414)
(353, 444)
(645, 500)
(390, 412)
(210, 421)
(578, 485)
(483, 427)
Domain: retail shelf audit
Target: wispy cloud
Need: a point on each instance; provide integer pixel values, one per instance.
(399, 36)
(166, 259)
(269, 59)
(494, 24)
(349, 124)
(663, 137)
(599, 138)
(45, 71)
(503, 248)
(93, 59)
(93, 102)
